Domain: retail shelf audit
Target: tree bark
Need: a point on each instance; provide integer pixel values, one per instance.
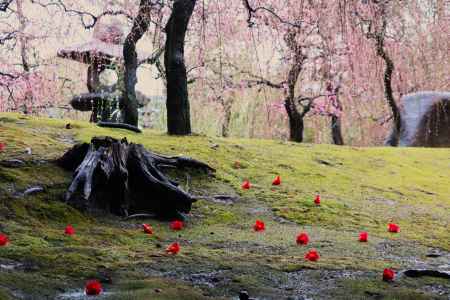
(389, 69)
(178, 110)
(296, 123)
(227, 105)
(129, 105)
(121, 178)
(336, 130)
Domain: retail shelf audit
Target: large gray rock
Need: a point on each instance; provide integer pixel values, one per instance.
(425, 119)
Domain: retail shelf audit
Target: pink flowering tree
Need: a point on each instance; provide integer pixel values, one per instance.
(309, 48)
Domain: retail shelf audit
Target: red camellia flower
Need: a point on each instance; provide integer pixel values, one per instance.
(3, 240)
(69, 230)
(388, 275)
(276, 181)
(312, 255)
(363, 236)
(176, 225)
(303, 239)
(2, 146)
(246, 185)
(147, 228)
(173, 248)
(392, 227)
(259, 225)
(317, 200)
(93, 288)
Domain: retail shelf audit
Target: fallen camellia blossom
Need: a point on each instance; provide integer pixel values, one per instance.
(93, 288)
(176, 225)
(392, 227)
(2, 146)
(173, 248)
(312, 255)
(147, 228)
(69, 230)
(276, 181)
(259, 226)
(363, 236)
(317, 200)
(302, 239)
(388, 275)
(246, 185)
(3, 240)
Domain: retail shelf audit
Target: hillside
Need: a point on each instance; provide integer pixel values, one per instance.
(362, 189)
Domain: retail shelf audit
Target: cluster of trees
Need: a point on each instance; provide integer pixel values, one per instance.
(344, 60)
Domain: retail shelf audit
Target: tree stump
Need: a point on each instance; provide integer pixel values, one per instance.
(124, 178)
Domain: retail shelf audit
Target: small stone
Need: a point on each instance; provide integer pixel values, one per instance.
(243, 295)
(12, 163)
(434, 253)
(28, 151)
(33, 190)
(426, 272)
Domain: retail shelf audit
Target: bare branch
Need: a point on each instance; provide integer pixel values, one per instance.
(153, 58)
(252, 11)
(8, 36)
(84, 14)
(4, 4)
(10, 76)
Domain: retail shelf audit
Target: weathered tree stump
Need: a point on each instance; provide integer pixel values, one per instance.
(124, 178)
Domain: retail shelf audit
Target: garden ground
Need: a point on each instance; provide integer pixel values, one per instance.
(362, 189)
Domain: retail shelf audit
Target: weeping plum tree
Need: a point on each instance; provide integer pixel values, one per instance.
(374, 24)
(300, 25)
(129, 104)
(178, 110)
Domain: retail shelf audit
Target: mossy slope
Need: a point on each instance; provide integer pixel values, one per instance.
(361, 189)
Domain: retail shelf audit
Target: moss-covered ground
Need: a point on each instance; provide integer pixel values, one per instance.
(361, 189)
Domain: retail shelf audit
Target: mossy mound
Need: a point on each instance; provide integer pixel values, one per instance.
(361, 189)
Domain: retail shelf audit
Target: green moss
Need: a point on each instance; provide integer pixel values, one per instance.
(376, 289)
(4, 294)
(156, 288)
(361, 189)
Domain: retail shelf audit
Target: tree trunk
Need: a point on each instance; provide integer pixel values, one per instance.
(227, 119)
(178, 110)
(129, 105)
(296, 124)
(389, 94)
(22, 38)
(122, 178)
(336, 130)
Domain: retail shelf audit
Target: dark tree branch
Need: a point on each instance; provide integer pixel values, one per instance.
(141, 24)
(10, 76)
(83, 14)
(153, 59)
(252, 11)
(8, 36)
(4, 4)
